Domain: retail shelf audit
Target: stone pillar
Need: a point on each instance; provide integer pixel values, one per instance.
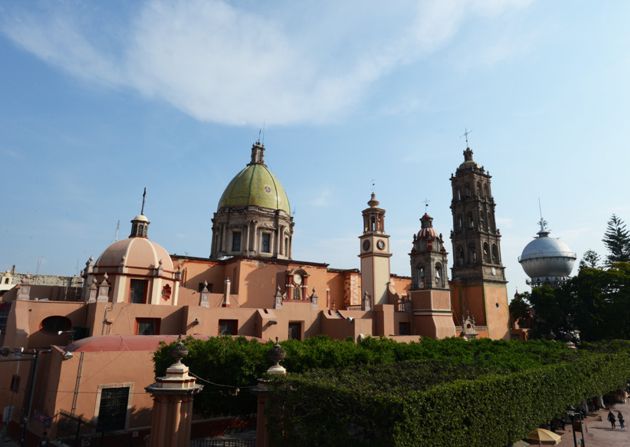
(92, 291)
(203, 298)
(276, 355)
(24, 290)
(103, 290)
(226, 293)
(173, 394)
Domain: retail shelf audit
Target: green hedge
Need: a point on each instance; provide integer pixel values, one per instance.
(238, 362)
(398, 406)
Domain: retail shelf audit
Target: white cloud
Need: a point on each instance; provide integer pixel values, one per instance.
(322, 199)
(302, 62)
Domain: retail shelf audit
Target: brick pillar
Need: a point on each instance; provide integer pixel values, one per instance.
(173, 394)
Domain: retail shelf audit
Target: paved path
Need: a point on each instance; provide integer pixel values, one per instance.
(598, 432)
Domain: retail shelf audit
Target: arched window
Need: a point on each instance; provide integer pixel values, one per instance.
(472, 254)
(471, 221)
(373, 223)
(467, 191)
(439, 277)
(487, 187)
(460, 222)
(486, 252)
(460, 255)
(55, 324)
(495, 254)
(479, 190)
(459, 194)
(420, 273)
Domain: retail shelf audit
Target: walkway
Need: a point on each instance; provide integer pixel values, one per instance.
(598, 432)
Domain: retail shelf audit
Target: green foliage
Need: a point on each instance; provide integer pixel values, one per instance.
(238, 362)
(439, 403)
(617, 241)
(521, 309)
(590, 259)
(596, 302)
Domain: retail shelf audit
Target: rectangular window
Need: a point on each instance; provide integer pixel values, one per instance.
(236, 241)
(138, 291)
(404, 328)
(228, 327)
(147, 326)
(266, 243)
(15, 383)
(295, 330)
(112, 413)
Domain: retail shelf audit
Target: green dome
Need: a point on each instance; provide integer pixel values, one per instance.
(255, 186)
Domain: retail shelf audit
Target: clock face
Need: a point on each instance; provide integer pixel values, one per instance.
(297, 279)
(366, 245)
(380, 244)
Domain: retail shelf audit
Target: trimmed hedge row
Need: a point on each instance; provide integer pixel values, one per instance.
(490, 410)
(238, 362)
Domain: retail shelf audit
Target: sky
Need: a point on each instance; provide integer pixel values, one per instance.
(100, 99)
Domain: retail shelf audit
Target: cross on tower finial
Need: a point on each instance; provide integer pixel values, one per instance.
(465, 135)
(373, 184)
(144, 198)
(426, 204)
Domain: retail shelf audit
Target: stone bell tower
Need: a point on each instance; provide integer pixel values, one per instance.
(478, 287)
(430, 294)
(375, 270)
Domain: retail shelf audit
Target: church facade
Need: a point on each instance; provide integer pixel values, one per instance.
(136, 294)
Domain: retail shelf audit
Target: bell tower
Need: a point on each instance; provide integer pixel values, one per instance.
(478, 286)
(375, 254)
(429, 293)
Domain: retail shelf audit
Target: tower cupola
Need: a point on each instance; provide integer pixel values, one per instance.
(140, 223)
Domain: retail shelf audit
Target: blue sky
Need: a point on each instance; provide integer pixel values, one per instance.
(100, 99)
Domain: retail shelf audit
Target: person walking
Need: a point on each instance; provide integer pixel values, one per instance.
(621, 420)
(611, 419)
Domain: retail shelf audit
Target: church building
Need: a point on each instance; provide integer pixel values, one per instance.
(97, 348)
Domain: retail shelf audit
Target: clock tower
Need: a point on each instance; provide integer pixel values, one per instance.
(478, 286)
(375, 254)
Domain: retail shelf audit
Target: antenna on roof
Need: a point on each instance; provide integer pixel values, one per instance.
(263, 133)
(144, 198)
(117, 230)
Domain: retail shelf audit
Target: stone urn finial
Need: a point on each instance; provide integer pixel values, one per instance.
(276, 355)
(179, 351)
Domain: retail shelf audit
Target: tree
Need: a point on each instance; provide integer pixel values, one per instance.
(617, 241)
(590, 259)
(520, 309)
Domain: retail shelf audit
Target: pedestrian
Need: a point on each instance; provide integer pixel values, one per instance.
(611, 419)
(620, 419)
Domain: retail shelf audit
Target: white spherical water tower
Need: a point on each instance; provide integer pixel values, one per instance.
(547, 260)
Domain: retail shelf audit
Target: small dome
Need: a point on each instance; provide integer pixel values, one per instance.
(255, 186)
(141, 218)
(137, 252)
(427, 231)
(547, 257)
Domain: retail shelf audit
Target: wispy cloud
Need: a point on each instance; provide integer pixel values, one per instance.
(322, 199)
(305, 62)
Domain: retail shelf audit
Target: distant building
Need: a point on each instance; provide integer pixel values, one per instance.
(136, 294)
